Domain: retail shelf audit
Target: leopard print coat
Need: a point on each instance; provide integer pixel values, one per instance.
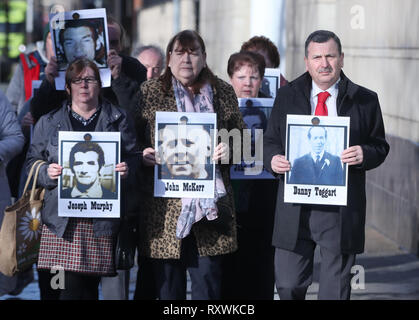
(158, 216)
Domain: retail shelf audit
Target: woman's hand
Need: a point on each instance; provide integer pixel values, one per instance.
(221, 152)
(150, 157)
(123, 169)
(54, 171)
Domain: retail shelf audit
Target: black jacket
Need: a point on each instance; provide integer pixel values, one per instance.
(121, 92)
(366, 130)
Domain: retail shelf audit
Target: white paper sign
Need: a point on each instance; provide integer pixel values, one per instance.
(255, 112)
(80, 34)
(185, 144)
(89, 186)
(271, 82)
(314, 146)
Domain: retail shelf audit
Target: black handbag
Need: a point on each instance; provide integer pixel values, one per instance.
(126, 243)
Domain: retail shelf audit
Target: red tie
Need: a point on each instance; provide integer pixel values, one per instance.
(321, 108)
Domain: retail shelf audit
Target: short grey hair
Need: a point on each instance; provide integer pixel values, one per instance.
(140, 49)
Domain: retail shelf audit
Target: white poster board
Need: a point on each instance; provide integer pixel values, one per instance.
(80, 34)
(314, 146)
(255, 112)
(185, 145)
(89, 186)
(271, 82)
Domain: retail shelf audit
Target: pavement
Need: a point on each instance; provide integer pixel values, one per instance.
(390, 274)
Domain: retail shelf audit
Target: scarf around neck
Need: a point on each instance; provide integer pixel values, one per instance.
(194, 209)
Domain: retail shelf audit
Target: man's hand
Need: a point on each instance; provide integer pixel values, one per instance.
(114, 63)
(54, 171)
(280, 164)
(353, 155)
(51, 70)
(122, 168)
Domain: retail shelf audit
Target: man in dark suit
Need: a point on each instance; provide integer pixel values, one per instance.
(319, 166)
(339, 231)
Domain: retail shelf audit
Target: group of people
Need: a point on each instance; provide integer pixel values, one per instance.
(253, 239)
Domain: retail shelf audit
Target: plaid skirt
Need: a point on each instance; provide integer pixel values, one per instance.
(78, 250)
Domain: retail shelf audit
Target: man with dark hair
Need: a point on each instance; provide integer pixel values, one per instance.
(86, 161)
(79, 39)
(319, 166)
(339, 231)
(254, 118)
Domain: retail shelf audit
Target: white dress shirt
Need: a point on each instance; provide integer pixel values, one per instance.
(330, 102)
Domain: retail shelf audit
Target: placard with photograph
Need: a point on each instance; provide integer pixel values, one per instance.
(271, 82)
(313, 147)
(185, 144)
(255, 112)
(80, 34)
(89, 186)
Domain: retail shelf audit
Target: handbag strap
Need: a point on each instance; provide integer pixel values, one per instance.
(35, 179)
(28, 179)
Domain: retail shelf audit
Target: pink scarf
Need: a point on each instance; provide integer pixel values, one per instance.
(194, 209)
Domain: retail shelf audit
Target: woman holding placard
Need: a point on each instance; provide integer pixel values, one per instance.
(254, 198)
(187, 85)
(81, 247)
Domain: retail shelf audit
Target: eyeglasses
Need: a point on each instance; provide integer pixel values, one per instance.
(89, 80)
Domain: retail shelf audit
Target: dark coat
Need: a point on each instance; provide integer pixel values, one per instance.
(366, 130)
(121, 92)
(44, 146)
(330, 170)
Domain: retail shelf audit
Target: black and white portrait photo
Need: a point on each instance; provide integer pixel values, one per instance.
(314, 148)
(185, 144)
(270, 83)
(88, 171)
(80, 38)
(80, 34)
(255, 113)
(186, 157)
(318, 166)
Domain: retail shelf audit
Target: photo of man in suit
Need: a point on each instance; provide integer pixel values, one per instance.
(86, 161)
(339, 231)
(319, 166)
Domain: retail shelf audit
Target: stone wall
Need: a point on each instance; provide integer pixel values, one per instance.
(156, 24)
